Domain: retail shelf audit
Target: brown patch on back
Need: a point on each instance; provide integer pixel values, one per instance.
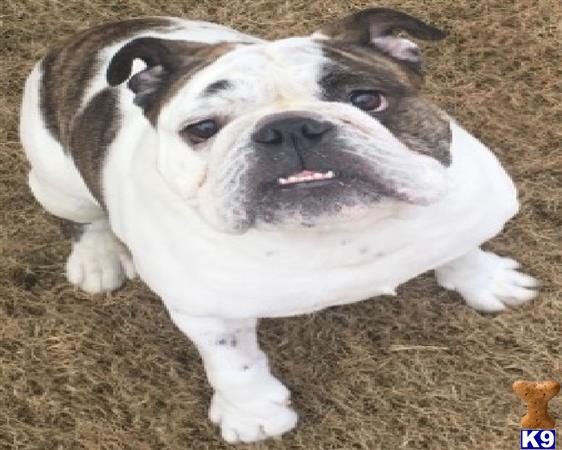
(413, 119)
(93, 130)
(69, 67)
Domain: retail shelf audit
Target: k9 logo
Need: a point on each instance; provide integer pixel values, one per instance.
(530, 439)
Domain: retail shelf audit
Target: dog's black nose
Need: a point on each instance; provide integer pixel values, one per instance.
(301, 133)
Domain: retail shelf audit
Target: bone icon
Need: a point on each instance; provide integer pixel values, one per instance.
(536, 394)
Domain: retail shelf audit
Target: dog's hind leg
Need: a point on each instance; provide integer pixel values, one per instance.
(98, 261)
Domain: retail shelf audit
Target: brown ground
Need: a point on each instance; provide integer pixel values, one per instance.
(113, 373)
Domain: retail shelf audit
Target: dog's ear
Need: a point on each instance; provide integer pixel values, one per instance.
(164, 59)
(374, 28)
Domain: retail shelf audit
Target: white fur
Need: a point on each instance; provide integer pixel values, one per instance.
(162, 197)
(98, 262)
(249, 403)
(486, 281)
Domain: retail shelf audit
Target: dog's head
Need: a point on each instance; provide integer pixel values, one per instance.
(298, 132)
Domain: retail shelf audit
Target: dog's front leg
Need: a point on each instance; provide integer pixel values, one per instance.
(486, 281)
(249, 403)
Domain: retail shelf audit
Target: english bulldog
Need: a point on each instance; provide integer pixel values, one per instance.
(243, 178)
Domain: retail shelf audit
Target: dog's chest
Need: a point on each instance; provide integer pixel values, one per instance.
(257, 278)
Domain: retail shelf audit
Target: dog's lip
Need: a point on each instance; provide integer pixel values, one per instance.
(306, 177)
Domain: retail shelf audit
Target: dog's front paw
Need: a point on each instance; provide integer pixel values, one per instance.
(253, 419)
(98, 262)
(488, 282)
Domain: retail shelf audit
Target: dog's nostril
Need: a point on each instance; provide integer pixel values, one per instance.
(314, 129)
(268, 135)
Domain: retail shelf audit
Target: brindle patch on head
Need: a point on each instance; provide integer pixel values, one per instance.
(413, 119)
(421, 126)
(196, 59)
(217, 87)
(69, 67)
(352, 68)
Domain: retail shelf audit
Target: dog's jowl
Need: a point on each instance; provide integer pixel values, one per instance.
(242, 178)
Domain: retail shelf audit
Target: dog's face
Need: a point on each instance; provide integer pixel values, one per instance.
(300, 132)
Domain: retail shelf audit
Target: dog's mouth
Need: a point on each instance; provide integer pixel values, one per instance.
(312, 197)
(307, 179)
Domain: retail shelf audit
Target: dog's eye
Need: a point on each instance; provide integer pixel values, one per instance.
(200, 131)
(368, 100)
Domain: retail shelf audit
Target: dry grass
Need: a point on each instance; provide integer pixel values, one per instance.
(113, 373)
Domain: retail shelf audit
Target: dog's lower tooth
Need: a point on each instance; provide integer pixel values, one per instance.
(305, 178)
